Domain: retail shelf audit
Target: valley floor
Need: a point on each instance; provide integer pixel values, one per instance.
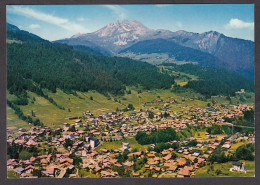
(95, 136)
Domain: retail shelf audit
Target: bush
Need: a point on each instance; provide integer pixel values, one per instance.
(24, 155)
(245, 152)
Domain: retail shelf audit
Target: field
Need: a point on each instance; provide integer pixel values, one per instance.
(11, 174)
(74, 106)
(208, 171)
(14, 122)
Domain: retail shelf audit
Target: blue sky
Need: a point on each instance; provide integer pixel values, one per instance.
(53, 22)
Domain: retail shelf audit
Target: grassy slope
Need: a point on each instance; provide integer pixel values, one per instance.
(52, 116)
(249, 165)
(14, 122)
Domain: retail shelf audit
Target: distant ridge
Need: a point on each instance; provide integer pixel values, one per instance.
(235, 54)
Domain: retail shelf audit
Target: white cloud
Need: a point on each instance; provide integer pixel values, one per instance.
(81, 19)
(179, 24)
(118, 11)
(239, 24)
(34, 26)
(61, 22)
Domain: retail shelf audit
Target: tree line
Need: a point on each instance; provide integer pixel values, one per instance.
(156, 136)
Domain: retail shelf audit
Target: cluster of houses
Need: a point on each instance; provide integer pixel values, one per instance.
(91, 131)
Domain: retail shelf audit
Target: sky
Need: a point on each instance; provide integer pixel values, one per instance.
(53, 22)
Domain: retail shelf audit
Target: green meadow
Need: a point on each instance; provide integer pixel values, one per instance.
(223, 169)
(75, 105)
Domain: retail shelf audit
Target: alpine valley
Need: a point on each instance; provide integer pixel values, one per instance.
(129, 101)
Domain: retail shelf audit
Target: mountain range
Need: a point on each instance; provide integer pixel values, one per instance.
(35, 64)
(131, 38)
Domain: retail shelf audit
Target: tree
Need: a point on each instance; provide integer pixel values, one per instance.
(24, 155)
(37, 172)
(174, 155)
(76, 159)
(245, 152)
(72, 128)
(68, 142)
(192, 143)
(130, 107)
(218, 172)
(150, 115)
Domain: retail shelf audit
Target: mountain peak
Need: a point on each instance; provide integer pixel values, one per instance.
(212, 33)
(76, 35)
(123, 27)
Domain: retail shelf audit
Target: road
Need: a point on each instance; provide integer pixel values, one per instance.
(62, 173)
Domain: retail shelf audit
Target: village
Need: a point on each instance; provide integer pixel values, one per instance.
(79, 149)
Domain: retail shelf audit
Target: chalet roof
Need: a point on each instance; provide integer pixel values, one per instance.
(181, 161)
(69, 160)
(19, 141)
(31, 142)
(237, 163)
(172, 168)
(128, 163)
(44, 161)
(167, 157)
(184, 172)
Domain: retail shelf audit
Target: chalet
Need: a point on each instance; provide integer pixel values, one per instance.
(108, 173)
(181, 161)
(31, 143)
(66, 126)
(128, 164)
(50, 170)
(237, 166)
(23, 136)
(185, 172)
(70, 135)
(167, 157)
(94, 122)
(125, 145)
(9, 132)
(29, 169)
(103, 150)
(172, 168)
(20, 170)
(11, 163)
(20, 142)
(226, 146)
(20, 130)
(78, 122)
(196, 154)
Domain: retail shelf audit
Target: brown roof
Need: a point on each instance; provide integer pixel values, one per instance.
(184, 172)
(69, 160)
(167, 157)
(172, 168)
(181, 161)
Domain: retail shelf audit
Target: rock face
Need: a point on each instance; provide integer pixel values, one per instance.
(234, 54)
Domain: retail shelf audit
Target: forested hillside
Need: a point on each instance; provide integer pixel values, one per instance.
(33, 64)
(213, 81)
